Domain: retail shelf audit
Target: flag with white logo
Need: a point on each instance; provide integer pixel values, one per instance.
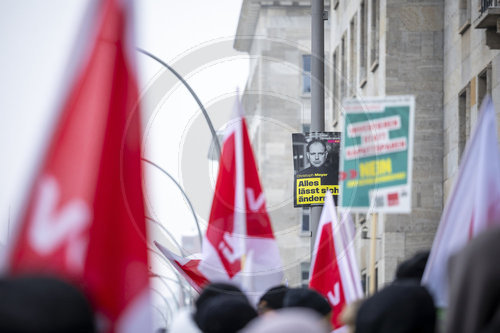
(334, 270)
(85, 219)
(474, 204)
(239, 245)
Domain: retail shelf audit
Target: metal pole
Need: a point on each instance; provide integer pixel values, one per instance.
(191, 91)
(373, 250)
(183, 193)
(177, 304)
(165, 300)
(180, 279)
(169, 234)
(317, 88)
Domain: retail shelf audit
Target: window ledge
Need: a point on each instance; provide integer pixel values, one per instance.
(305, 233)
(363, 82)
(488, 18)
(464, 27)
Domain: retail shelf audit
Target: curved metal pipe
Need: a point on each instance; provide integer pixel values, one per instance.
(186, 286)
(168, 287)
(183, 193)
(165, 319)
(165, 300)
(169, 234)
(205, 113)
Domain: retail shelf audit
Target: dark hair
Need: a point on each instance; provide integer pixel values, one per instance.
(213, 291)
(225, 314)
(404, 307)
(413, 268)
(307, 298)
(313, 141)
(217, 289)
(43, 304)
(274, 297)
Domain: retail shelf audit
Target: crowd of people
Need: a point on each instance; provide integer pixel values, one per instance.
(403, 306)
(42, 304)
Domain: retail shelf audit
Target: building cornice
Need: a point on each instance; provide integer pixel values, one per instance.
(249, 15)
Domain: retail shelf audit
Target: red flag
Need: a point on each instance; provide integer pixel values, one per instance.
(188, 267)
(474, 204)
(239, 244)
(334, 270)
(85, 215)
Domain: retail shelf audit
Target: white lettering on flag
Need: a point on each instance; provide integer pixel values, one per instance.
(254, 204)
(53, 227)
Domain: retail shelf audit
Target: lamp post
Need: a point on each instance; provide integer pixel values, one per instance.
(317, 88)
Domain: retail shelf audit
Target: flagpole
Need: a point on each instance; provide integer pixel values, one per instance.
(373, 250)
(317, 89)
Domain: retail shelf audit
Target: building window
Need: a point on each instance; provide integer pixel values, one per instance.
(374, 34)
(364, 282)
(353, 57)
(306, 74)
(304, 273)
(483, 5)
(335, 85)
(463, 16)
(305, 225)
(343, 72)
(299, 155)
(464, 120)
(363, 29)
(483, 84)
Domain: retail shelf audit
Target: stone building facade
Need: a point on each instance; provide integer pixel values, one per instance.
(441, 51)
(383, 47)
(276, 99)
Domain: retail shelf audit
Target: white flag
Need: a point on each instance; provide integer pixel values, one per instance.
(473, 205)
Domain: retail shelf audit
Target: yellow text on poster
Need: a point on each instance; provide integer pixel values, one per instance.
(310, 191)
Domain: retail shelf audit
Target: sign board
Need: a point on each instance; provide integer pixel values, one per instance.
(377, 153)
(316, 167)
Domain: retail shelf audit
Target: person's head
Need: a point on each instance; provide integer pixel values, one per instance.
(212, 291)
(217, 289)
(272, 299)
(292, 320)
(225, 314)
(310, 299)
(403, 307)
(43, 304)
(316, 152)
(413, 268)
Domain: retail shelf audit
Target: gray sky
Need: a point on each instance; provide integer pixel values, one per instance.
(36, 38)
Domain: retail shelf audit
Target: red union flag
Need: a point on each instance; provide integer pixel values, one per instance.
(239, 244)
(474, 204)
(187, 267)
(334, 270)
(85, 215)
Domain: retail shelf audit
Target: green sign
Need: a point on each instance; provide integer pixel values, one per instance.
(377, 150)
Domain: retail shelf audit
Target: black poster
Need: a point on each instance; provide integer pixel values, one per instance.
(316, 167)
